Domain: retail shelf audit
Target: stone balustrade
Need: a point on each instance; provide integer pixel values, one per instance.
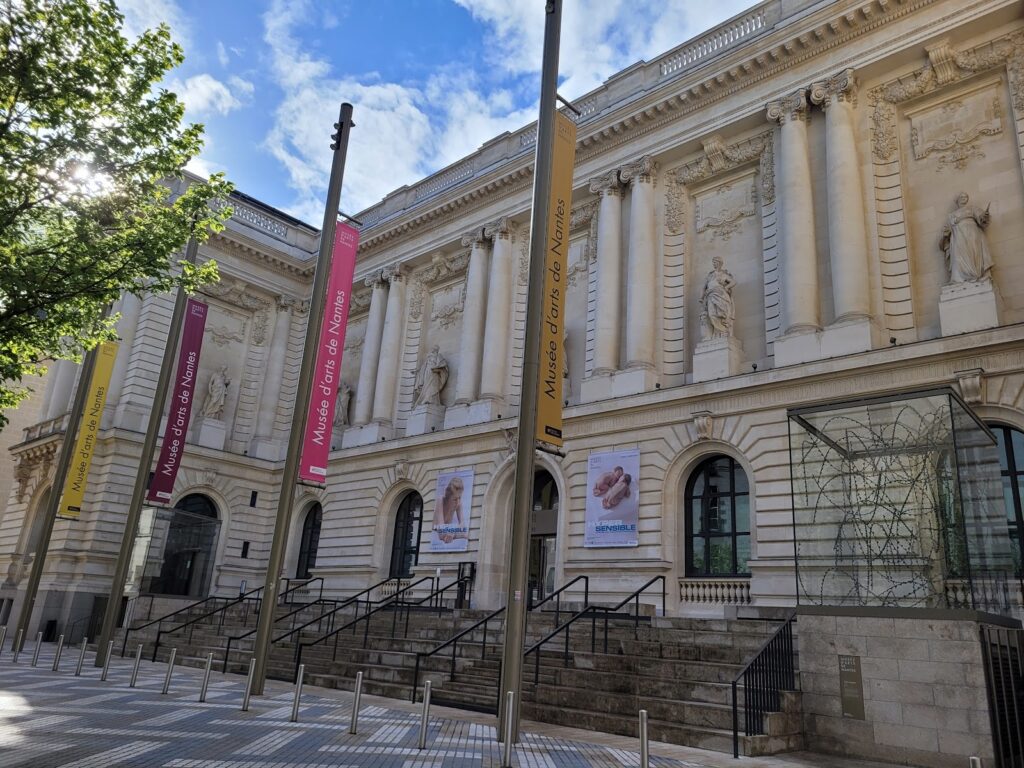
(46, 428)
(715, 591)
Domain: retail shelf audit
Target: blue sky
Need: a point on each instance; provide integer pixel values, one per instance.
(431, 80)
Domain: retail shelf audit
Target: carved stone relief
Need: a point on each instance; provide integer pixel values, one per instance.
(720, 211)
(718, 158)
(953, 129)
(448, 308)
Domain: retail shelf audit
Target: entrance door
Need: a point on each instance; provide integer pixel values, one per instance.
(543, 536)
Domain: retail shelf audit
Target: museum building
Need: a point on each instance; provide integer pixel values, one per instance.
(813, 210)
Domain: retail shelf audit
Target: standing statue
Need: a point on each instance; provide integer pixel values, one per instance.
(216, 394)
(341, 405)
(431, 378)
(717, 308)
(963, 241)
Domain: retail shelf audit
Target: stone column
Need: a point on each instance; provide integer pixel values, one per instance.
(371, 349)
(129, 309)
(799, 260)
(641, 281)
(847, 236)
(497, 333)
(61, 377)
(390, 348)
(474, 310)
(270, 397)
(608, 320)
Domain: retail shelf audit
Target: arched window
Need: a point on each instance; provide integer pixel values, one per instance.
(188, 535)
(717, 519)
(543, 535)
(1011, 465)
(310, 542)
(405, 547)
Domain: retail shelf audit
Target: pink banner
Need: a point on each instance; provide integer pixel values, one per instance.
(316, 443)
(173, 446)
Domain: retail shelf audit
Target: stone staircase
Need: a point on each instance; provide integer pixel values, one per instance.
(679, 670)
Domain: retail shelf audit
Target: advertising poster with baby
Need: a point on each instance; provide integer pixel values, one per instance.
(452, 504)
(613, 499)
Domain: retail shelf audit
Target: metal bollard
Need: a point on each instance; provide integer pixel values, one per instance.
(135, 668)
(170, 670)
(35, 653)
(206, 678)
(645, 757)
(355, 703)
(56, 655)
(3, 636)
(506, 755)
(17, 645)
(81, 657)
(298, 692)
(975, 762)
(106, 661)
(425, 717)
(248, 685)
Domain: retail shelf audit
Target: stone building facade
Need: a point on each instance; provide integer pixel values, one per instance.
(767, 216)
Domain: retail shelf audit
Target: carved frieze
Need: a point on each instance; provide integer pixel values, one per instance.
(360, 301)
(586, 215)
(953, 129)
(447, 313)
(720, 211)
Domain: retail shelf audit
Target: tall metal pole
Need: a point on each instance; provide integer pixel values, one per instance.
(291, 465)
(156, 413)
(515, 613)
(67, 448)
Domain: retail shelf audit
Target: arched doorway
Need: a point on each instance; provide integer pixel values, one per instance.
(717, 517)
(310, 542)
(190, 538)
(543, 535)
(405, 545)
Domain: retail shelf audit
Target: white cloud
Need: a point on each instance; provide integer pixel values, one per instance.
(205, 94)
(140, 15)
(222, 54)
(242, 86)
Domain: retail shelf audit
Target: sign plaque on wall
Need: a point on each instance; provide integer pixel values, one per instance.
(851, 687)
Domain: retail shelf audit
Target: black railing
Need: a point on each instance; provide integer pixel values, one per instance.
(770, 672)
(70, 634)
(592, 612)
(159, 621)
(557, 597)
(1003, 655)
(246, 599)
(454, 643)
(296, 584)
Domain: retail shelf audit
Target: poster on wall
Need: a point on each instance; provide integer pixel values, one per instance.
(453, 502)
(613, 499)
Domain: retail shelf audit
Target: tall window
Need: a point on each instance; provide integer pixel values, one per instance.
(189, 537)
(310, 542)
(717, 519)
(405, 547)
(1011, 464)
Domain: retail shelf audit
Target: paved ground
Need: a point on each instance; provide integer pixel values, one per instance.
(56, 720)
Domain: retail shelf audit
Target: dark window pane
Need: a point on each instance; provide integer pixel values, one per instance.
(720, 556)
(718, 476)
(740, 478)
(742, 513)
(1011, 512)
(1000, 434)
(696, 518)
(697, 561)
(720, 515)
(698, 484)
(742, 553)
(1017, 439)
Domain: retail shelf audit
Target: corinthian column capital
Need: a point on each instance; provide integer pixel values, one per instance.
(393, 273)
(840, 87)
(607, 184)
(498, 230)
(375, 280)
(474, 237)
(640, 171)
(792, 107)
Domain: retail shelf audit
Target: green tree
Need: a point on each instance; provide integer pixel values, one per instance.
(88, 145)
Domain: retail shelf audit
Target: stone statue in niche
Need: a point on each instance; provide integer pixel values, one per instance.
(431, 378)
(216, 394)
(341, 405)
(963, 241)
(717, 309)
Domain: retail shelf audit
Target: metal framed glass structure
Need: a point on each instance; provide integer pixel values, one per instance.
(897, 502)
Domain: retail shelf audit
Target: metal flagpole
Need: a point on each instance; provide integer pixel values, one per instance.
(156, 413)
(67, 448)
(300, 412)
(515, 613)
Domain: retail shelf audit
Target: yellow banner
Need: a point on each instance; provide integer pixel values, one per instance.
(78, 472)
(552, 340)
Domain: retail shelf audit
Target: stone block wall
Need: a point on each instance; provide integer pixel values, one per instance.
(923, 676)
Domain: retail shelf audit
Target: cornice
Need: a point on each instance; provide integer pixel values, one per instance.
(249, 251)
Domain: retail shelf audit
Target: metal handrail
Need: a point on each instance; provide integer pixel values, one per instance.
(159, 621)
(454, 642)
(303, 583)
(245, 597)
(290, 614)
(70, 631)
(557, 596)
(635, 598)
(387, 603)
(770, 671)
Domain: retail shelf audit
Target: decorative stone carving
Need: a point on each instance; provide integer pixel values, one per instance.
(447, 315)
(968, 259)
(393, 273)
(717, 309)
(640, 171)
(374, 280)
(942, 58)
(607, 184)
(259, 328)
(360, 301)
(235, 292)
(576, 270)
(216, 394)
(721, 210)
(341, 406)
(354, 343)
(522, 233)
(431, 378)
(586, 215)
(703, 422)
(972, 385)
(498, 229)
(841, 87)
(511, 441)
(442, 267)
(222, 335)
(474, 237)
(416, 296)
(726, 158)
(22, 475)
(675, 205)
(401, 469)
(792, 107)
(954, 128)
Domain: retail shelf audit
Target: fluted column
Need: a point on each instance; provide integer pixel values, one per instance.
(608, 320)
(641, 283)
(129, 305)
(390, 348)
(61, 377)
(271, 394)
(371, 349)
(497, 329)
(474, 311)
(847, 236)
(799, 262)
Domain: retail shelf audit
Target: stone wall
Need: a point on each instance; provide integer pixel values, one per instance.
(923, 685)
